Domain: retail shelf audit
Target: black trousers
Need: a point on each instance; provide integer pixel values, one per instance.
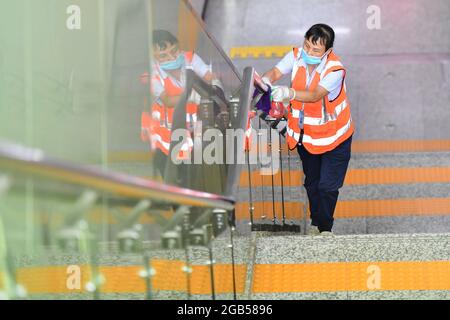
(324, 176)
(159, 162)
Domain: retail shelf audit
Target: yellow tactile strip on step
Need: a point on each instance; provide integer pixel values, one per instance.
(290, 178)
(397, 175)
(375, 146)
(125, 279)
(356, 176)
(353, 208)
(267, 278)
(293, 210)
(259, 51)
(397, 207)
(351, 276)
(384, 146)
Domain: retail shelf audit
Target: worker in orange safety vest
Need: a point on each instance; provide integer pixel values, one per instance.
(320, 124)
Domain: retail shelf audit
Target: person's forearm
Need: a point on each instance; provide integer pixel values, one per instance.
(269, 75)
(273, 75)
(305, 96)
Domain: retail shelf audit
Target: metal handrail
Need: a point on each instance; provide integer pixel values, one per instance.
(34, 162)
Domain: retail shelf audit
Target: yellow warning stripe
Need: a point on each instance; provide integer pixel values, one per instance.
(356, 176)
(351, 208)
(293, 210)
(351, 276)
(290, 178)
(375, 146)
(393, 208)
(125, 279)
(259, 52)
(381, 146)
(397, 175)
(267, 278)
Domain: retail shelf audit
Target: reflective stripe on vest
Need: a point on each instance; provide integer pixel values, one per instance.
(156, 115)
(329, 65)
(328, 140)
(326, 117)
(292, 133)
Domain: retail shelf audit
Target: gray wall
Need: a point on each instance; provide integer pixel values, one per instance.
(398, 76)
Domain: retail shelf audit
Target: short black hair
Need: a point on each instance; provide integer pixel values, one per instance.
(162, 37)
(321, 32)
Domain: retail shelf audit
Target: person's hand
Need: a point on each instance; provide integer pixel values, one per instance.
(266, 81)
(282, 93)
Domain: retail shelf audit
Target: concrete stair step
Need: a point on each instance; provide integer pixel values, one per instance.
(404, 192)
(351, 267)
(267, 266)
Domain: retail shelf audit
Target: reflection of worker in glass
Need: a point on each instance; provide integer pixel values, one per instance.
(168, 80)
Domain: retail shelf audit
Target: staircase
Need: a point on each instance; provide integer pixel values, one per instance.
(384, 192)
(407, 266)
(391, 224)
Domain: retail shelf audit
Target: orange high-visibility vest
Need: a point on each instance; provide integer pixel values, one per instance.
(159, 125)
(326, 123)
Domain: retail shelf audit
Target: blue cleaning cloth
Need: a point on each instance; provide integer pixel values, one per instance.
(264, 103)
